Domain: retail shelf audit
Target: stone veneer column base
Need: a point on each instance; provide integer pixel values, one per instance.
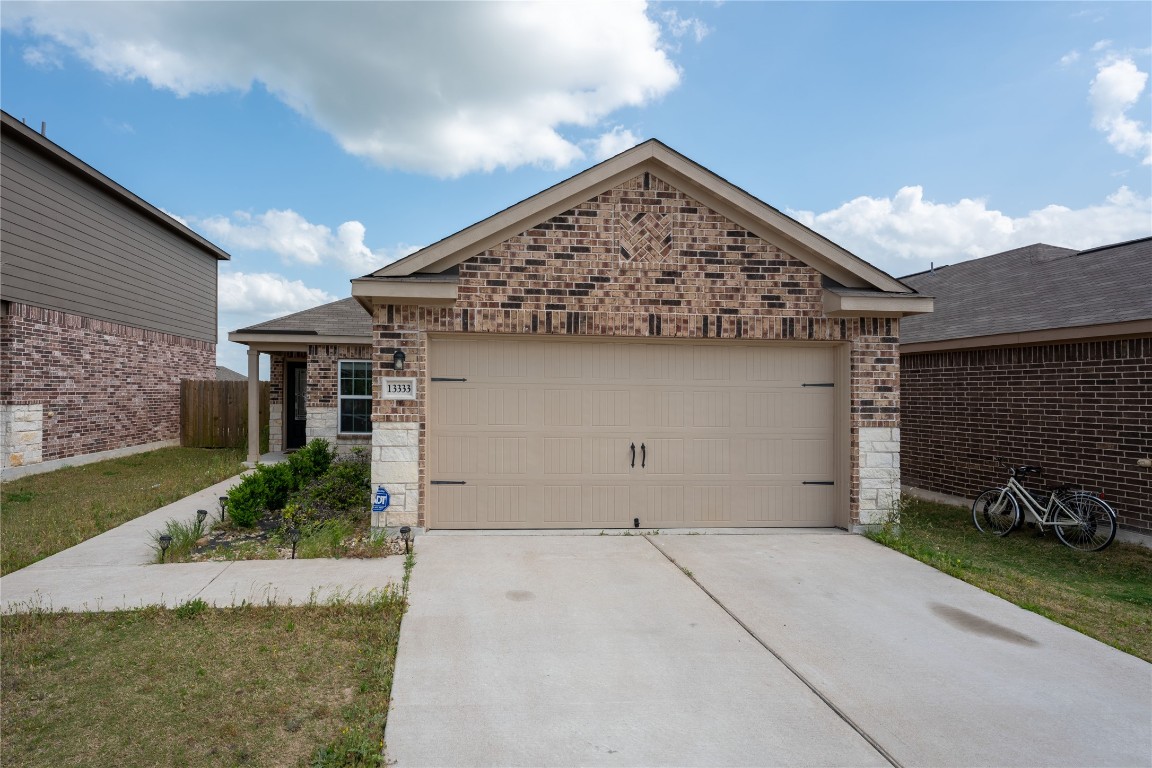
(879, 477)
(396, 466)
(21, 435)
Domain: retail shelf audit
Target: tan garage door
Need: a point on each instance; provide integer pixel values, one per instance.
(527, 433)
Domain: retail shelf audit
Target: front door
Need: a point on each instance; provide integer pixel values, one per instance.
(295, 409)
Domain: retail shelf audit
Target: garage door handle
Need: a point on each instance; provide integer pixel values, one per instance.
(643, 455)
(633, 449)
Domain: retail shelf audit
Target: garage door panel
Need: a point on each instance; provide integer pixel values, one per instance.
(455, 504)
(729, 432)
(456, 456)
(764, 504)
(566, 408)
(663, 456)
(564, 504)
(611, 505)
(711, 409)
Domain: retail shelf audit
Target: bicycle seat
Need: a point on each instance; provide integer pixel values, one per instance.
(1029, 470)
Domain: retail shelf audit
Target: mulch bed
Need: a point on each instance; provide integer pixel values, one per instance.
(228, 542)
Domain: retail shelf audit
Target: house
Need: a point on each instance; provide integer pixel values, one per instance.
(106, 304)
(642, 345)
(227, 374)
(1039, 355)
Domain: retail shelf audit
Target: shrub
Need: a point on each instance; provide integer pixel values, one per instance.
(266, 488)
(343, 492)
(310, 462)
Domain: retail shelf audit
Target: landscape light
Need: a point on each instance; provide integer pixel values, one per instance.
(406, 534)
(201, 516)
(165, 542)
(294, 537)
(223, 504)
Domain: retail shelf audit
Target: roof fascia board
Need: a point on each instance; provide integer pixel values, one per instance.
(384, 291)
(1130, 329)
(889, 305)
(66, 159)
(693, 179)
(287, 342)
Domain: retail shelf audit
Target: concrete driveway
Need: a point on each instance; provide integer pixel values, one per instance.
(780, 650)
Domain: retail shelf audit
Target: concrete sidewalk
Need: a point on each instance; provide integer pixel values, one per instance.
(112, 571)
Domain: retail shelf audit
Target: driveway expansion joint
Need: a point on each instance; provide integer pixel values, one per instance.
(795, 672)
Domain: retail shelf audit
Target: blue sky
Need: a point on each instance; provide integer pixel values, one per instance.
(315, 142)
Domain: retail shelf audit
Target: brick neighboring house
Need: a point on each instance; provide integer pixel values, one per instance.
(107, 303)
(643, 344)
(1041, 355)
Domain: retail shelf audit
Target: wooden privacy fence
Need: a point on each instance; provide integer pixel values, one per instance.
(214, 414)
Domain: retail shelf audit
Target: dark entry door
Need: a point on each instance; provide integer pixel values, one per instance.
(296, 411)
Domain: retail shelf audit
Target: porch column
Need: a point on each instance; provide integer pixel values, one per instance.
(253, 406)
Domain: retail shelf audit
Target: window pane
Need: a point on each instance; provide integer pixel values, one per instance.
(356, 378)
(356, 416)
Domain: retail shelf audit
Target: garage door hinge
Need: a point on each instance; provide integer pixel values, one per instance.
(449, 482)
(440, 378)
(819, 482)
(828, 384)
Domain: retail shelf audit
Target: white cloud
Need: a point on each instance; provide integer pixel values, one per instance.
(613, 142)
(266, 295)
(1117, 87)
(445, 88)
(296, 240)
(903, 233)
(1070, 58)
(1101, 45)
(679, 26)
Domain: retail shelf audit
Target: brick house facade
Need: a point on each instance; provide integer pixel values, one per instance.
(1061, 382)
(106, 304)
(644, 249)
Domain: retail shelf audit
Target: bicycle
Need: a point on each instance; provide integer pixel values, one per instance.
(1081, 518)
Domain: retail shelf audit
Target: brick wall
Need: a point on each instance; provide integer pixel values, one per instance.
(100, 385)
(1082, 411)
(641, 260)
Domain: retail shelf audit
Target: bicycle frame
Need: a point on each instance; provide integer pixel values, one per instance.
(1029, 504)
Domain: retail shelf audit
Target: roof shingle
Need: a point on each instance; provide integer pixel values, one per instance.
(1038, 287)
(340, 318)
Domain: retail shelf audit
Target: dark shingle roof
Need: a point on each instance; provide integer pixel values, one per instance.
(340, 318)
(227, 374)
(1038, 287)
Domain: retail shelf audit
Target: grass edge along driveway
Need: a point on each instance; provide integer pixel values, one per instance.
(1106, 595)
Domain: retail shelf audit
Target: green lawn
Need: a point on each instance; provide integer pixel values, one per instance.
(1106, 595)
(199, 686)
(41, 515)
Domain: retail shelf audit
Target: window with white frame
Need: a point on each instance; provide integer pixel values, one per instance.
(356, 396)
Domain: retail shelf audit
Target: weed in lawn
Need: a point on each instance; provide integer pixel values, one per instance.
(184, 537)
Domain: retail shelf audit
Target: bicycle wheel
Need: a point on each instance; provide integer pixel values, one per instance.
(996, 511)
(1084, 522)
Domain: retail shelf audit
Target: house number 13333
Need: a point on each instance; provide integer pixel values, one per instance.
(399, 389)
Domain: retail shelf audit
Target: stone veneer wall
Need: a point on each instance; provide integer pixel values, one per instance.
(73, 385)
(641, 260)
(1082, 411)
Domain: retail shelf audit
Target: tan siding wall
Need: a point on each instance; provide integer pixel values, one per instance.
(68, 246)
(643, 260)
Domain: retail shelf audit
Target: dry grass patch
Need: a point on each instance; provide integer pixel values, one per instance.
(199, 686)
(41, 515)
(1106, 595)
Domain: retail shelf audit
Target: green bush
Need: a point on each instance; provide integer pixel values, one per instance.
(343, 492)
(267, 488)
(310, 462)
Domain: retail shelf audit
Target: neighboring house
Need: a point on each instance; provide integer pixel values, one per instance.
(227, 374)
(107, 303)
(643, 344)
(1039, 355)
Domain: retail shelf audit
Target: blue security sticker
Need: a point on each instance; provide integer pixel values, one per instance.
(382, 500)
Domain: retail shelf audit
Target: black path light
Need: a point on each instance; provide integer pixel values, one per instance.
(223, 504)
(406, 534)
(294, 537)
(165, 542)
(201, 516)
